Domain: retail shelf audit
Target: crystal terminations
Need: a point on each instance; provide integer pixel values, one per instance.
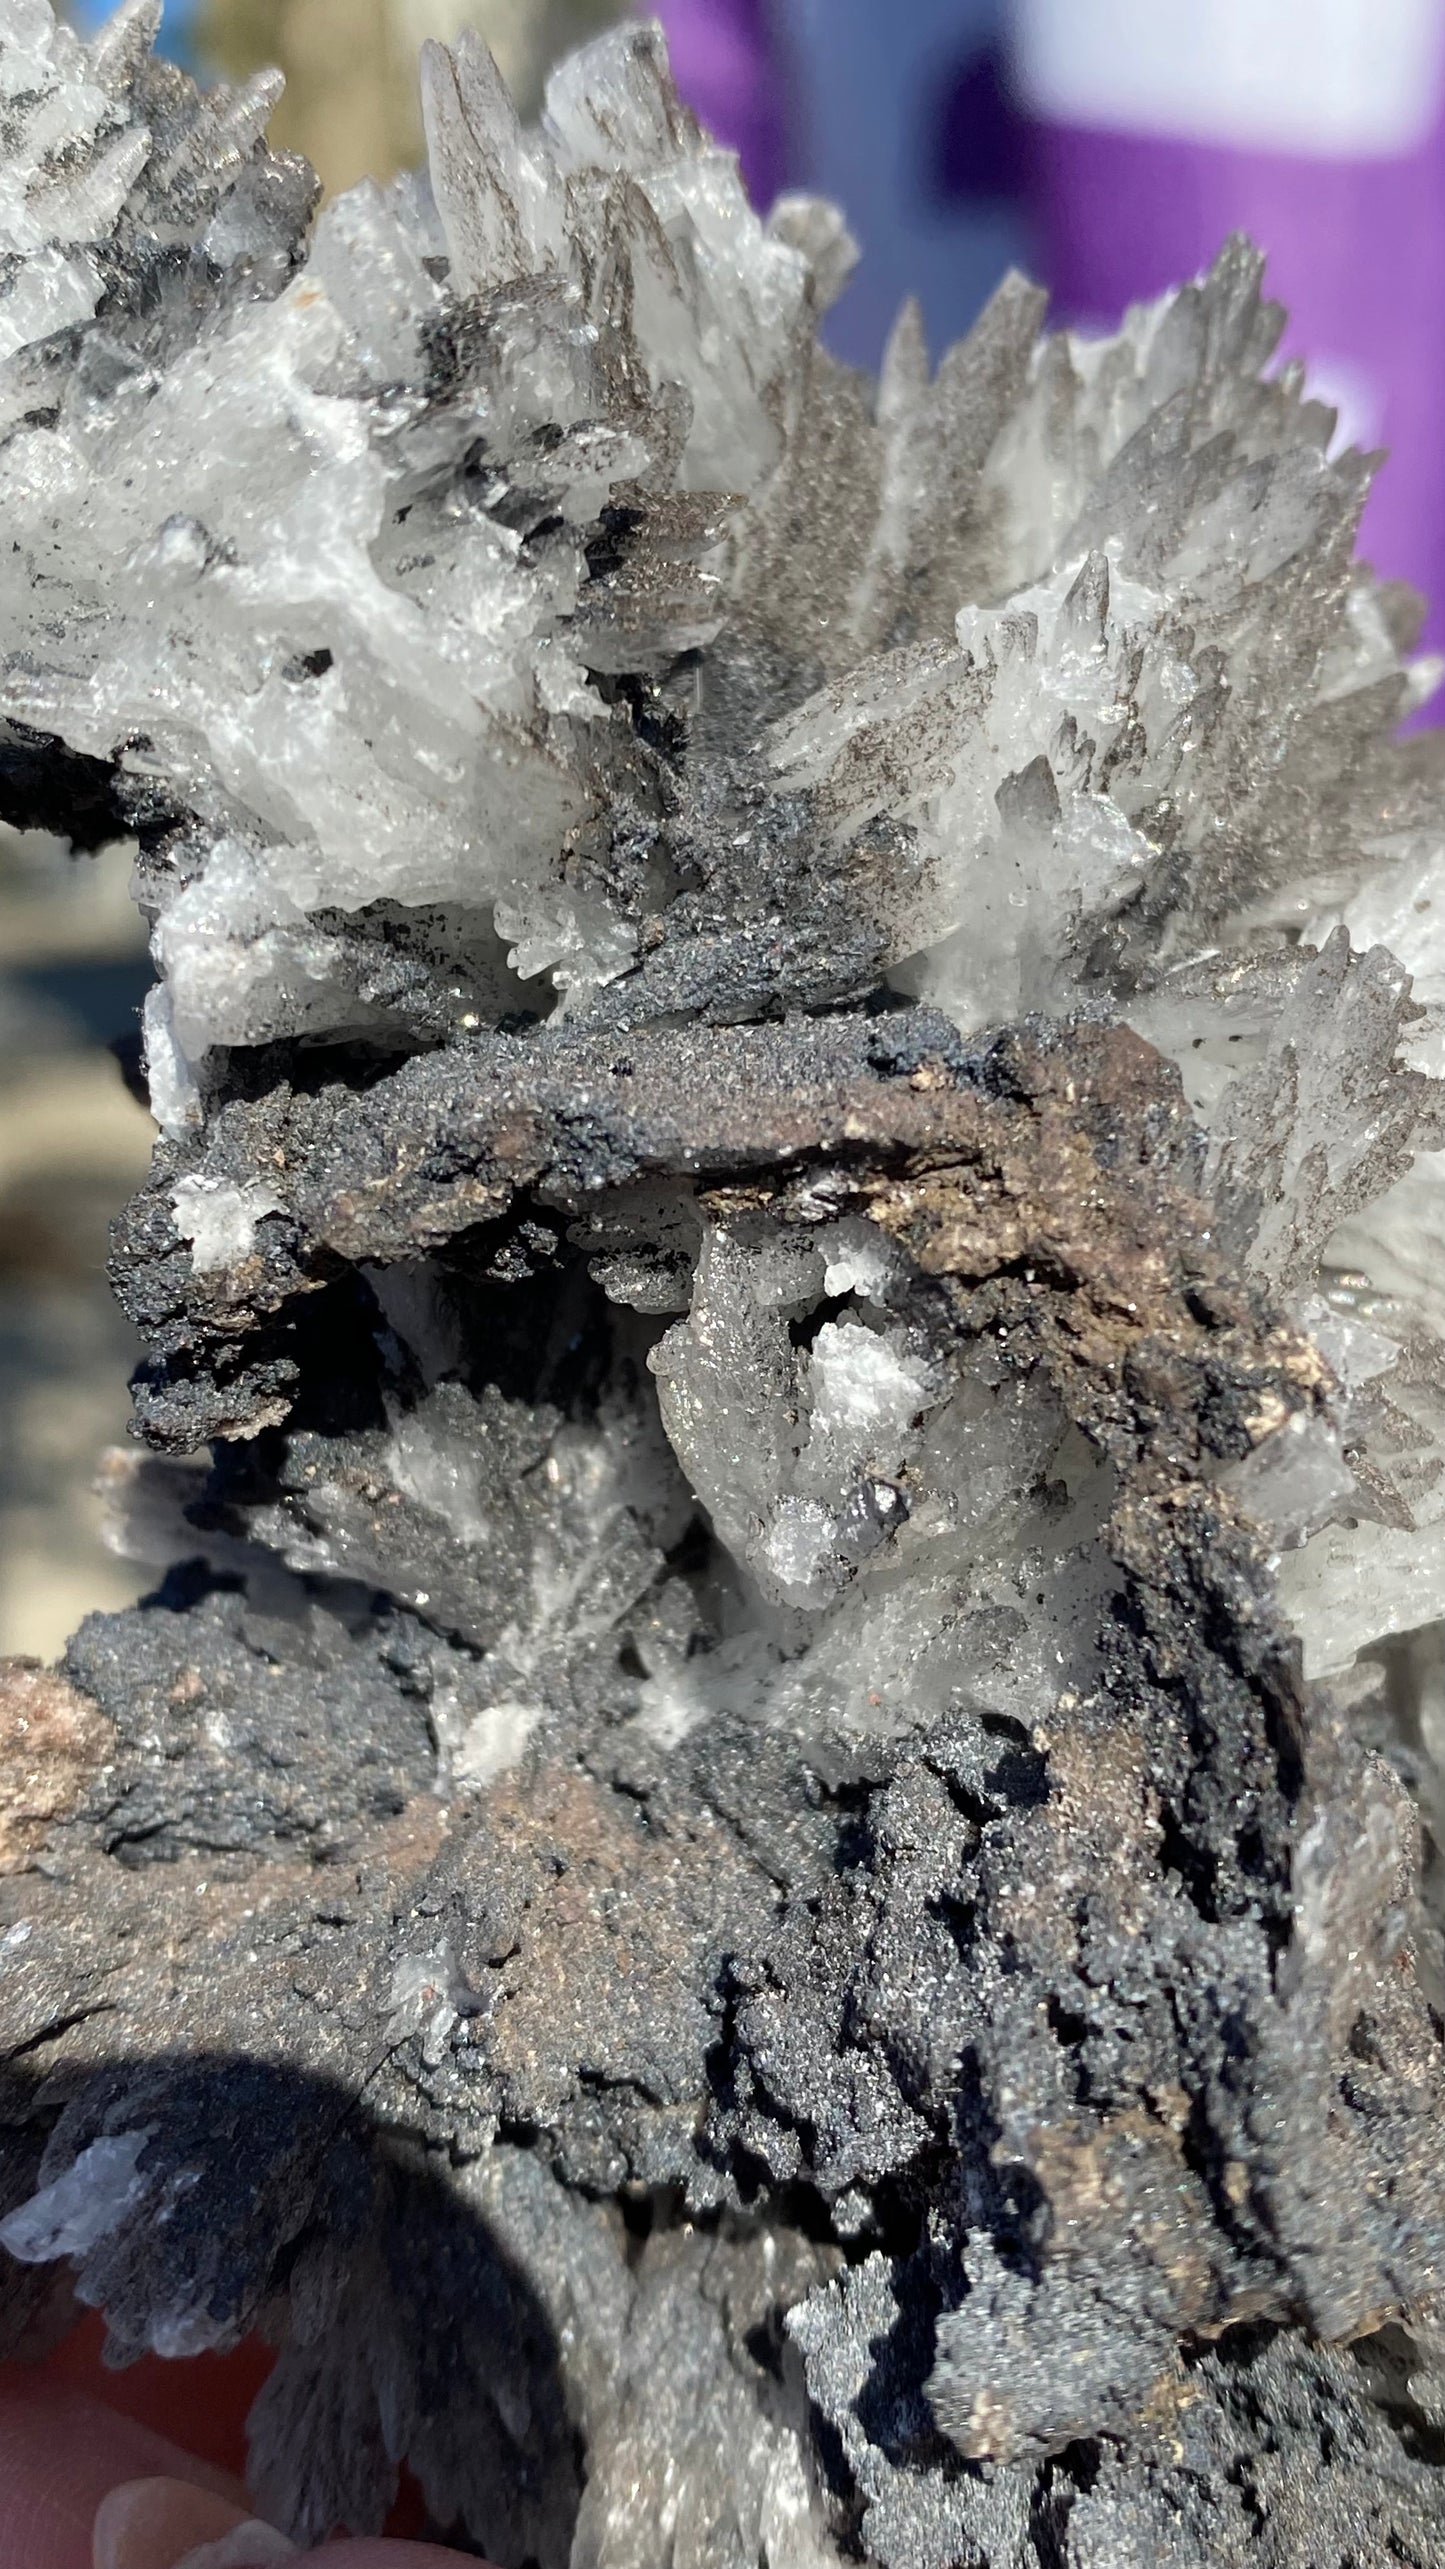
(765, 1878)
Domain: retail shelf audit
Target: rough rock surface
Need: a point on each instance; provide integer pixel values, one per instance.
(765, 1876)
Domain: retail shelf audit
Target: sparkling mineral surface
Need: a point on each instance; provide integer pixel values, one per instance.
(766, 1875)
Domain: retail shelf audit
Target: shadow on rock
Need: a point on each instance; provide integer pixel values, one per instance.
(197, 2201)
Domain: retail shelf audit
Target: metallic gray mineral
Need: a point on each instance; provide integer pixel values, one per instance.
(765, 1877)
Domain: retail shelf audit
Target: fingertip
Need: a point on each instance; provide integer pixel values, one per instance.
(60, 2455)
(154, 2523)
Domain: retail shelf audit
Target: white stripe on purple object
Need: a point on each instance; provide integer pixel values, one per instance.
(1284, 75)
(1317, 126)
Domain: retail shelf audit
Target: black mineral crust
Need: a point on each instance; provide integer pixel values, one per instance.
(711, 1887)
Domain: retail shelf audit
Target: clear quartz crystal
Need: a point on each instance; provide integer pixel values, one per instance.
(80, 2206)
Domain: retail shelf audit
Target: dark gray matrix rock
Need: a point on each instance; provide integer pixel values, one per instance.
(764, 1876)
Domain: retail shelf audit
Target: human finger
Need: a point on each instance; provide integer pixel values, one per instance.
(384, 2555)
(169, 2524)
(60, 2455)
(199, 2402)
(152, 2524)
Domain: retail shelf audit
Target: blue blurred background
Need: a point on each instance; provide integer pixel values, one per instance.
(177, 29)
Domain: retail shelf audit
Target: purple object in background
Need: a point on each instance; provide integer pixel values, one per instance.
(1318, 127)
(1156, 127)
(899, 115)
(727, 65)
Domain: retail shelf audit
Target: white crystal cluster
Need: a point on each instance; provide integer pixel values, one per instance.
(350, 557)
(894, 1521)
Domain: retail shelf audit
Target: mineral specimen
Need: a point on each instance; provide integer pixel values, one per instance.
(766, 1877)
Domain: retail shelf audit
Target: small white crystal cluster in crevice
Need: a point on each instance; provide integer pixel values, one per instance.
(908, 1533)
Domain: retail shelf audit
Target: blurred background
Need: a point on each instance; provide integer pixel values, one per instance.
(1106, 145)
